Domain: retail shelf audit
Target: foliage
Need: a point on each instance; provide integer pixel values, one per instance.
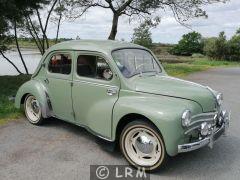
(12, 13)
(222, 49)
(209, 48)
(142, 34)
(234, 47)
(189, 44)
(140, 9)
(9, 87)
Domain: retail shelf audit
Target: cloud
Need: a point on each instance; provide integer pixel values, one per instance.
(96, 24)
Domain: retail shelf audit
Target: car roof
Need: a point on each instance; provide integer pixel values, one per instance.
(106, 46)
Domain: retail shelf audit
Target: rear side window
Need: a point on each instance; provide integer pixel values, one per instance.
(92, 66)
(60, 63)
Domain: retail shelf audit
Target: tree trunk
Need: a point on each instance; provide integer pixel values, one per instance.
(34, 38)
(10, 62)
(46, 23)
(18, 48)
(113, 33)
(58, 28)
(29, 20)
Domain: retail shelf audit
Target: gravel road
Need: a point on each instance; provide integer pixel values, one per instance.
(58, 150)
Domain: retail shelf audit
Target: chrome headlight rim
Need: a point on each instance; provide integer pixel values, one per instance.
(219, 98)
(186, 118)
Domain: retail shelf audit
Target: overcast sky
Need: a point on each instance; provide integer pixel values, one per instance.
(96, 24)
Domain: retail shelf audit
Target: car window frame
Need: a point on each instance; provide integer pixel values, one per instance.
(50, 57)
(91, 53)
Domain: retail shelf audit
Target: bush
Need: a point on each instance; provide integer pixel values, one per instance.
(189, 44)
(220, 48)
(234, 48)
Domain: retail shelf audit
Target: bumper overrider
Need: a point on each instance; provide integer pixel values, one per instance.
(219, 128)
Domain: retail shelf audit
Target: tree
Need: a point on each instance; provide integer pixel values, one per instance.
(11, 14)
(189, 44)
(182, 10)
(217, 47)
(5, 40)
(142, 34)
(37, 29)
(221, 46)
(209, 48)
(234, 47)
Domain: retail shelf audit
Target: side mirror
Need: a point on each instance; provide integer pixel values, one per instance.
(107, 74)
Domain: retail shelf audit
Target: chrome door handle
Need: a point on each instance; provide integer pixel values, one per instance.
(46, 81)
(112, 91)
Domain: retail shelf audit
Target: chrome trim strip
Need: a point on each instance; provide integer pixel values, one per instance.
(201, 120)
(204, 114)
(191, 129)
(94, 83)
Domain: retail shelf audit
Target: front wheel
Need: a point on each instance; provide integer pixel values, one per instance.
(33, 110)
(142, 145)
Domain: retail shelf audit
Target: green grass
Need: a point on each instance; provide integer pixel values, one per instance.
(182, 69)
(9, 86)
(195, 65)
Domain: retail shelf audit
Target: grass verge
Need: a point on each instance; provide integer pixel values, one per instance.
(8, 87)
(195, 65)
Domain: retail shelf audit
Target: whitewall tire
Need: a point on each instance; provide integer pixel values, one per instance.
(142, 145)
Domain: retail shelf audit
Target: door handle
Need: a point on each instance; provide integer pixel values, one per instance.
(112, 91)
(46, 81)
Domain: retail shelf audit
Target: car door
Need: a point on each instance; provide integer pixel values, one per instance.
(58, 82)
(95, 92)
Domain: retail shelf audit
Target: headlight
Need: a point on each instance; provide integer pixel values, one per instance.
(219, 98)
(186, 118)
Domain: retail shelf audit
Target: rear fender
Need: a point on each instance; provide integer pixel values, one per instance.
(37, 89)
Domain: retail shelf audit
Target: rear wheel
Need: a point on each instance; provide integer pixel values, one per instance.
(142, 145)
(33, 110)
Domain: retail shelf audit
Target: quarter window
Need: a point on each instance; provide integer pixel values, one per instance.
(93, 67)
(60, 63)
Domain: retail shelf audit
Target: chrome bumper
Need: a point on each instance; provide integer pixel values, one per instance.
(209, 140)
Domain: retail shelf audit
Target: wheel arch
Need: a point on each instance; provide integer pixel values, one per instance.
(36, 89)
(129, 118)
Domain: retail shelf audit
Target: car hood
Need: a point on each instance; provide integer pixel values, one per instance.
(169, 86)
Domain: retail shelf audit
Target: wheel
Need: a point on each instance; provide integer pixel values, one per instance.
(33, 110)
(143, 146)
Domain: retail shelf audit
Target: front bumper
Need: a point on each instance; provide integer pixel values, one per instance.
(209, 140)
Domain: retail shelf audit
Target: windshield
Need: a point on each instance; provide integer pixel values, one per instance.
(132, 62)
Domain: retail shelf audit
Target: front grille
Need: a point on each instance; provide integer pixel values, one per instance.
(200, 118)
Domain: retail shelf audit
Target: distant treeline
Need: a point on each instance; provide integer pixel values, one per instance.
(218, 48)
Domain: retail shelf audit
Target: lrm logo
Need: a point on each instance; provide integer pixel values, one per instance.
(117, 172)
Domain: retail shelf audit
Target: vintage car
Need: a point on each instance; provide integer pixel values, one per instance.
(120, 92)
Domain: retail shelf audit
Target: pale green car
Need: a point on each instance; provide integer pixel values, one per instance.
(120, 92)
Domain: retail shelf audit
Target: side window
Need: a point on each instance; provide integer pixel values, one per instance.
(60, 63)
(94, 67)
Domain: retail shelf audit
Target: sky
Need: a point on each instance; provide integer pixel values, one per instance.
(96, 24)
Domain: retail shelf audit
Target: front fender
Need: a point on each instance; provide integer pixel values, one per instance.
(164, 112)
(37, 89)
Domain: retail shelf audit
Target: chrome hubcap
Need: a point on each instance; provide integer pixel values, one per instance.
(32, 108)
(143, 147)
(144, 144)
